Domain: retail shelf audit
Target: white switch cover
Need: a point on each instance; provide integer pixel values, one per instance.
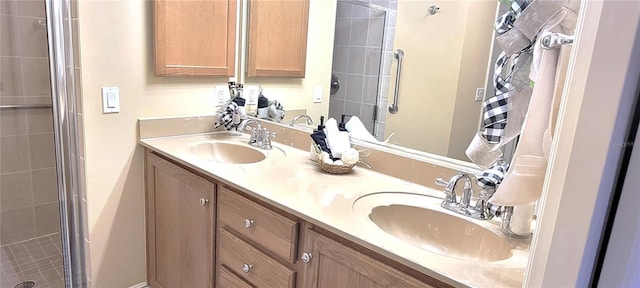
(222, 94)
(317, 94)
(251, 93)
(110, 100)
(479, 94)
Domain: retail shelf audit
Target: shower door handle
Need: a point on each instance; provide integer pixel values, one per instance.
(398, 54)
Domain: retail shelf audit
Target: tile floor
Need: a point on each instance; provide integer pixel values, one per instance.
(38, 259)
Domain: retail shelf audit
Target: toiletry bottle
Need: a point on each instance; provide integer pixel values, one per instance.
(320, 138)
(344, 133)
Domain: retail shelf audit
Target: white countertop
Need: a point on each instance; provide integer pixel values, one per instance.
(287, 179)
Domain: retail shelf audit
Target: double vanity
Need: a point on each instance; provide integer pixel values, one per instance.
(223, 213)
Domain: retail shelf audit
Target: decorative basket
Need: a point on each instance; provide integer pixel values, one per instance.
(334, 169)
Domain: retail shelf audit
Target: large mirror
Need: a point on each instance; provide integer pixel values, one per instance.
(445, 50)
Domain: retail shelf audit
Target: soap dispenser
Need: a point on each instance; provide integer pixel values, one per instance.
(344, 133)
(319, 138)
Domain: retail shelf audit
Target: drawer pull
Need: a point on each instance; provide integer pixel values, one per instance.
(204, 201)
(248, 223)
(306, 257)
(246, 268)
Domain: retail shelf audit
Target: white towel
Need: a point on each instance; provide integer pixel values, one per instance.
(358, 131)
(523, 183)
(337, 141)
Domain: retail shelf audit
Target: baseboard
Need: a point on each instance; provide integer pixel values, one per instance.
(140, 285)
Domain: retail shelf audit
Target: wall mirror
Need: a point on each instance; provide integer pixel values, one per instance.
(445, 50)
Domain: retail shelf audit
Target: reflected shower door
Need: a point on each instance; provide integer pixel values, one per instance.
(357, 59)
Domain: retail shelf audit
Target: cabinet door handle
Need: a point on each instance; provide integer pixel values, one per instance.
(246, 268)
(204, 201)
(306, 257)
(248, 223)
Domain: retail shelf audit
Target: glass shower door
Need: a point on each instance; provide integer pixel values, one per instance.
(30, 242)
(357, 58)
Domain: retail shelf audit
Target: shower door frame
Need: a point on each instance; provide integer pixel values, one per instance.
(66, 140)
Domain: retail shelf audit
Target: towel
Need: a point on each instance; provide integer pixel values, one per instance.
(358, 131)
(523, 183)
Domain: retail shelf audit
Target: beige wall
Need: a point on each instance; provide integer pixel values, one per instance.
(116, 44)
(445, 61)
(474, 62)
(298, 93)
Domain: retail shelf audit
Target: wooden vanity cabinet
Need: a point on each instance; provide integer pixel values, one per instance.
(277, 44)
(331, 264)
(256, 245)
(180, 226)
(195, 37)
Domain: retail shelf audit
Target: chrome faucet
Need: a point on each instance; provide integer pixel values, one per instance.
(295, 119)
(450, 201)
(482, 210)
(260, 137)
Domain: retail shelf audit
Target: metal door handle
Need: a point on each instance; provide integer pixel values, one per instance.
(204, 201)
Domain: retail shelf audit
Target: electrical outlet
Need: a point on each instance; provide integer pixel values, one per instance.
(222, 94)
(479, 94)
(251, 93)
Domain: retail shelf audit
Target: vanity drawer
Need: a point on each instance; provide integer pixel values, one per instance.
(272, 231)
(226, 279)
(256, 267)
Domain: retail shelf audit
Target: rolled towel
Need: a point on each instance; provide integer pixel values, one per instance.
(358, 130)
(338, 142)
(350, 156)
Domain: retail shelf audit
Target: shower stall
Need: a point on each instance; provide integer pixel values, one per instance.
(40, 228)
(362, 56)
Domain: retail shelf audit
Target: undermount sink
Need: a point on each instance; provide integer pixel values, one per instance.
(226, 152)
(418, 220)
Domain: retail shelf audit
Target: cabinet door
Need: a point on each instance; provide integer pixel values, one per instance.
(334, 265)
(278, 38)
(180, 226)
(195, 37)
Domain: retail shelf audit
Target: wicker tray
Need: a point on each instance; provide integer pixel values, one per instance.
(335, 169)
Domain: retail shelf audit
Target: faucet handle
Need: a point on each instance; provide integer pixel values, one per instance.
(266, 140)
(441, 182)
(254, 136)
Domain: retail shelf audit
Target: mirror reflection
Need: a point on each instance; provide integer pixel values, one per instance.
(439, 86)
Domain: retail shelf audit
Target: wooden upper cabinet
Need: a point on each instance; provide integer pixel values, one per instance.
(195, 37)
(277, 38)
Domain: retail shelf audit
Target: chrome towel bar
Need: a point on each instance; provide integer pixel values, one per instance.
(25, 106)
(399, 54)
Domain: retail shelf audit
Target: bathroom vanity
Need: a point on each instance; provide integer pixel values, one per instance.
(276, 220)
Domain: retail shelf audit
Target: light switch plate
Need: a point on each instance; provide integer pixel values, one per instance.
(479, 94)
(222, 94)
(110, 100)
(251, 93)
(317, 94)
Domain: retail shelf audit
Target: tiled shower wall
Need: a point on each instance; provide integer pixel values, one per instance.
(363, 43)
(28, 198)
